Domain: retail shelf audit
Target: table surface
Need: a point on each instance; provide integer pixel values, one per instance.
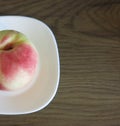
(88, 37)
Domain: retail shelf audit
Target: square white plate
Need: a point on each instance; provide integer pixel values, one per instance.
(45, 86)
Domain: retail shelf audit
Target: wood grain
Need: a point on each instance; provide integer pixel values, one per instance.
(88, 37)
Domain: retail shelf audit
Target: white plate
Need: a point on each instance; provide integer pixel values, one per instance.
(44, 89)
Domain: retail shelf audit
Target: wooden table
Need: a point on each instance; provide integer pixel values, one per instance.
(88, 37)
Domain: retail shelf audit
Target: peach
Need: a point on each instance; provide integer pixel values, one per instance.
(18, 60)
